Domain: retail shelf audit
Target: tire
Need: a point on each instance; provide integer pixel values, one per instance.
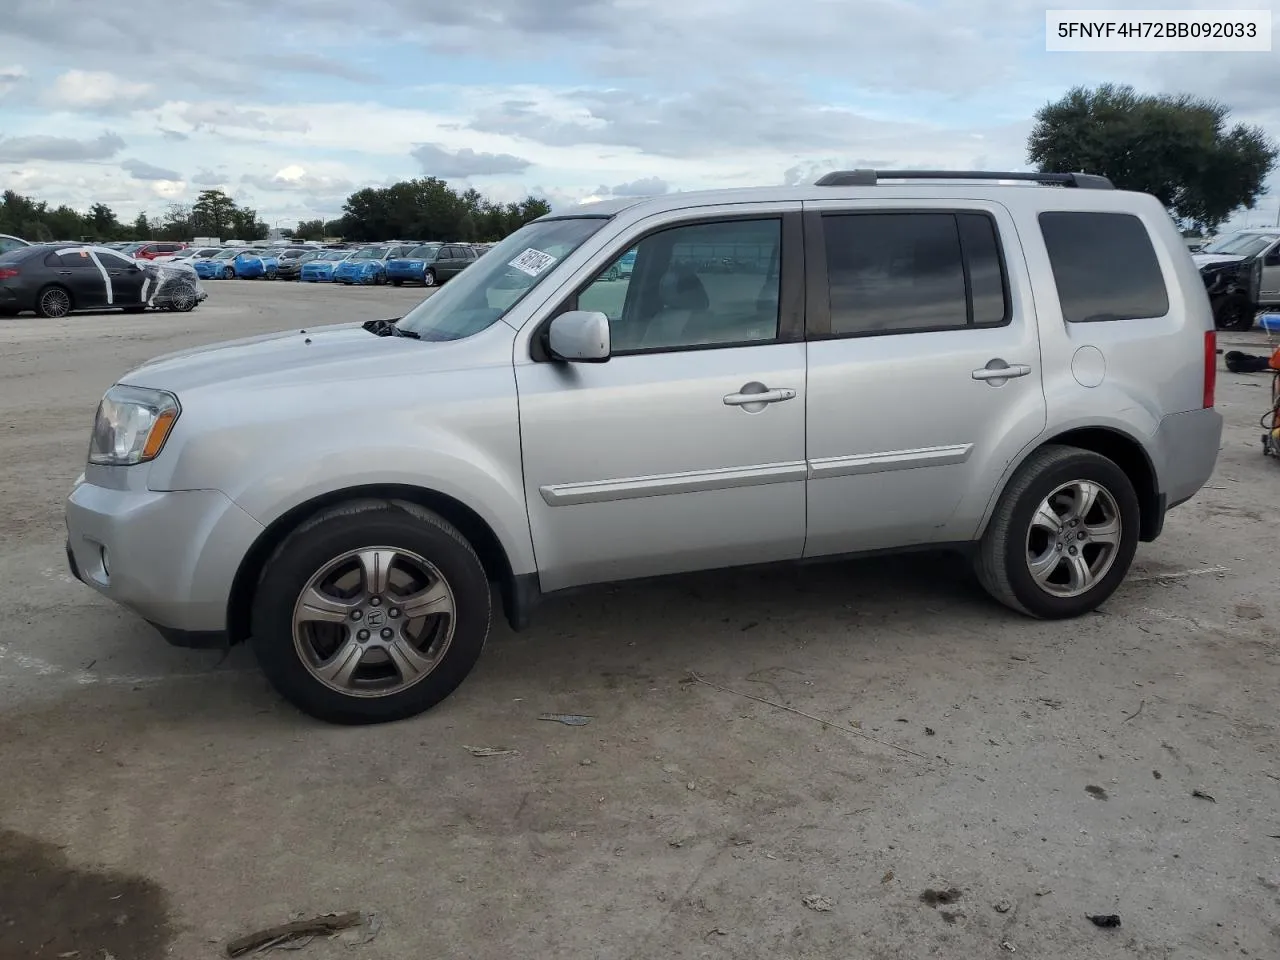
(54, 302)
(397, 283)
(1004, 561)
(1233, 313)
(183, 298)
(428, 278)
(229, 273)
(415, 539)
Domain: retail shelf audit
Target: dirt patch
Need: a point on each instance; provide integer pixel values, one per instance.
(1096, 792)
(935, 897)
(53, 909)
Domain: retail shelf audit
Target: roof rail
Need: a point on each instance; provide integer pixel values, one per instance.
(869, 178)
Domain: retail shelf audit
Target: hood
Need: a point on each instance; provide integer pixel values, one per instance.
(279, 358)
(1206, 259)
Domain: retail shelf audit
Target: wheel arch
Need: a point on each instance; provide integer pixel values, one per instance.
(516, 592)
(1123, 449)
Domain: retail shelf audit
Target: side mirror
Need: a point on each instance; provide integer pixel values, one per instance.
(580, 336)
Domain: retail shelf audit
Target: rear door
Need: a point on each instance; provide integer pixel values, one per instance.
(1269, 288)
(924, 369)
(74, 269)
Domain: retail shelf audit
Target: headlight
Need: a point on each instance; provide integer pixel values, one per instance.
(132, 425)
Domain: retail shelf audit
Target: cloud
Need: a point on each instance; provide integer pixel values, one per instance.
(297, 179)
(174, 135)
(98, 92)
(459, 164)
(225, 115)
(140, 170)
(22, 149)
(11, 78)
(207, 178)
(644, 187)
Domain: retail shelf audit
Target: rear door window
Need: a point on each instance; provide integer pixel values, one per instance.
(1104, 266)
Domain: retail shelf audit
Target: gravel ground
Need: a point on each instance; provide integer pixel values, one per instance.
(940, 760)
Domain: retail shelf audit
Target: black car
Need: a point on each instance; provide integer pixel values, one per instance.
(54, 279)
(290, 261)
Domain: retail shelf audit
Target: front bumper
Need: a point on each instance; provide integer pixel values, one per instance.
(170, 557)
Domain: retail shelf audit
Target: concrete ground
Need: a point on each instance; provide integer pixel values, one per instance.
(945, 759)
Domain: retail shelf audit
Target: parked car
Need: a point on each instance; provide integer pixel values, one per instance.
(291, 266)
(1057, 401)
(368, 264)
(255, 265)
(1241, 273)
(219, 266)
(320, 269)
(150, 249)
(431, 263)
(8, 243)
(54, 279)
(191, 254)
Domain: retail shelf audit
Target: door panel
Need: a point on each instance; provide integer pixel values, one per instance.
(638, 467)
(1269, 288)
(82, 275)
(127, 280)
(905, 427)
(685, 450)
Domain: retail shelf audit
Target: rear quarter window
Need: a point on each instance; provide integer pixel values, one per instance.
(1104, 266)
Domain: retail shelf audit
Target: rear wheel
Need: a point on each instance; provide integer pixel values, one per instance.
(53, 302)
(372, 611)
(1063, 534)
(229, 273)
(397, 283)
(429, 278)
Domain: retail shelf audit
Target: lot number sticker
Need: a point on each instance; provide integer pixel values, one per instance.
(532, 262)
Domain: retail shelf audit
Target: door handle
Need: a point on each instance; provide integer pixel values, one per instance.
(999, 370)
(764, 396)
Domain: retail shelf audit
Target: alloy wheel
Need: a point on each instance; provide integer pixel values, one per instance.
(1073, 538)
(373, 622)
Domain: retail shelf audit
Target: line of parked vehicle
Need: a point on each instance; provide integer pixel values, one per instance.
(428, 264)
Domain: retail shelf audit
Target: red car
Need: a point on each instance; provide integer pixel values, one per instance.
(150, 249)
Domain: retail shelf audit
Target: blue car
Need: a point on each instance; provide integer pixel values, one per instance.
(220, 266)
(256, 264)
(369, 264)
(412, 266)
(321, 268)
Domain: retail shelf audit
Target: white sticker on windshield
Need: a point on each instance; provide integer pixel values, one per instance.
(532, 262)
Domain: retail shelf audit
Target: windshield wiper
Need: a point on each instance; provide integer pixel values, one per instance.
(388, 328)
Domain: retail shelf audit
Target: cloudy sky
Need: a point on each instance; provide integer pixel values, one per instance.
(289, 105)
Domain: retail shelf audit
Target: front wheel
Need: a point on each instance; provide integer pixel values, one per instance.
(429, 278)
(372, 611)
(1063, 534)
(229, 274)
(397, 283)
(1234, 313)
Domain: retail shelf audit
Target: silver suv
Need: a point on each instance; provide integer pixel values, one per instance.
(1023, 371)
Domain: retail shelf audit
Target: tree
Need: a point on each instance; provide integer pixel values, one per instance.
(332, 228)
(213, 214)
(103, 223)
(310, 230)
(428, 209)
(176, 224)
(141, 228)
(1177, 148)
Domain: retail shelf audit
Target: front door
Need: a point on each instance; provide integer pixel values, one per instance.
(128, 282)
(924, 370)
(1269, 288)
(659, 460)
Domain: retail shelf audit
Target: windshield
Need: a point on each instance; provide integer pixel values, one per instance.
(1240, 244)
(424, 252)
(370, 253)
(332, 255)
(480, 296)
(225, 254)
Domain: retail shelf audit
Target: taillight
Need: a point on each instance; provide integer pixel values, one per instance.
(8, 273)
(1210, 366)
